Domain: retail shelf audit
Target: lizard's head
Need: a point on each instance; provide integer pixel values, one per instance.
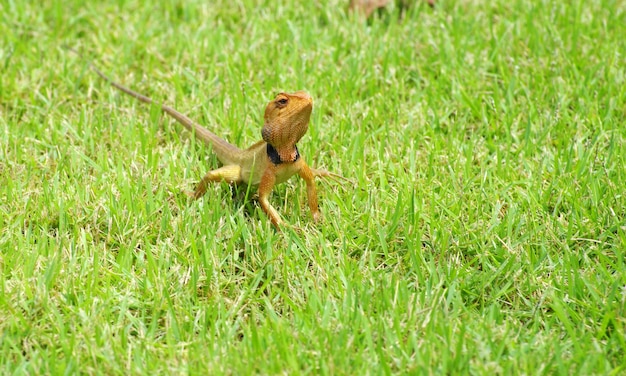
(286, 121)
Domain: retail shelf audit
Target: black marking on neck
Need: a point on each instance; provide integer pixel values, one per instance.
(274, 157)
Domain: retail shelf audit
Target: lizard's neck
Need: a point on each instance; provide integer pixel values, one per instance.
(282, 157)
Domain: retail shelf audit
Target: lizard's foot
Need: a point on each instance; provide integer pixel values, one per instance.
(194, 195)
(328, 174)
(295, 229)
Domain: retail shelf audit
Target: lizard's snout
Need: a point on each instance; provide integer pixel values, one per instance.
(303, 94)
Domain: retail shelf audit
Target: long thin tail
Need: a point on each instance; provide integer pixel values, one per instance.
(224, 150)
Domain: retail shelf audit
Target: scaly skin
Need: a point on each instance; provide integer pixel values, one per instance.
(286, 121)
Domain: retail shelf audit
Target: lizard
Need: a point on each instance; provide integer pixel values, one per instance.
(367, 7)
(270, 161)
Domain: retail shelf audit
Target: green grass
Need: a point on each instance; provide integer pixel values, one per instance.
(484, 231)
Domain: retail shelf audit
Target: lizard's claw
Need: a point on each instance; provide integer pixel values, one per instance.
(190, 194)
(328, 174)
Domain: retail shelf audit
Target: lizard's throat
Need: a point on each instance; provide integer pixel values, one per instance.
(282, 156)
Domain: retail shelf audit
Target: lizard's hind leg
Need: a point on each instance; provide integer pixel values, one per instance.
(230, 174)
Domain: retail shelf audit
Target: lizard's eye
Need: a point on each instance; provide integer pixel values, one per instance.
(282, 102)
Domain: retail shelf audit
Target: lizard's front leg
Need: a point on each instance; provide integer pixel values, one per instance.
(309, 178)
(230, 174)
(265, 188)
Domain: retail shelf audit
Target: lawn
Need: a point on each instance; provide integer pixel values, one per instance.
(482, 229)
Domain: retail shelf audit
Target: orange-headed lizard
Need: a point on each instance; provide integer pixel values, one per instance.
(266, 163)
